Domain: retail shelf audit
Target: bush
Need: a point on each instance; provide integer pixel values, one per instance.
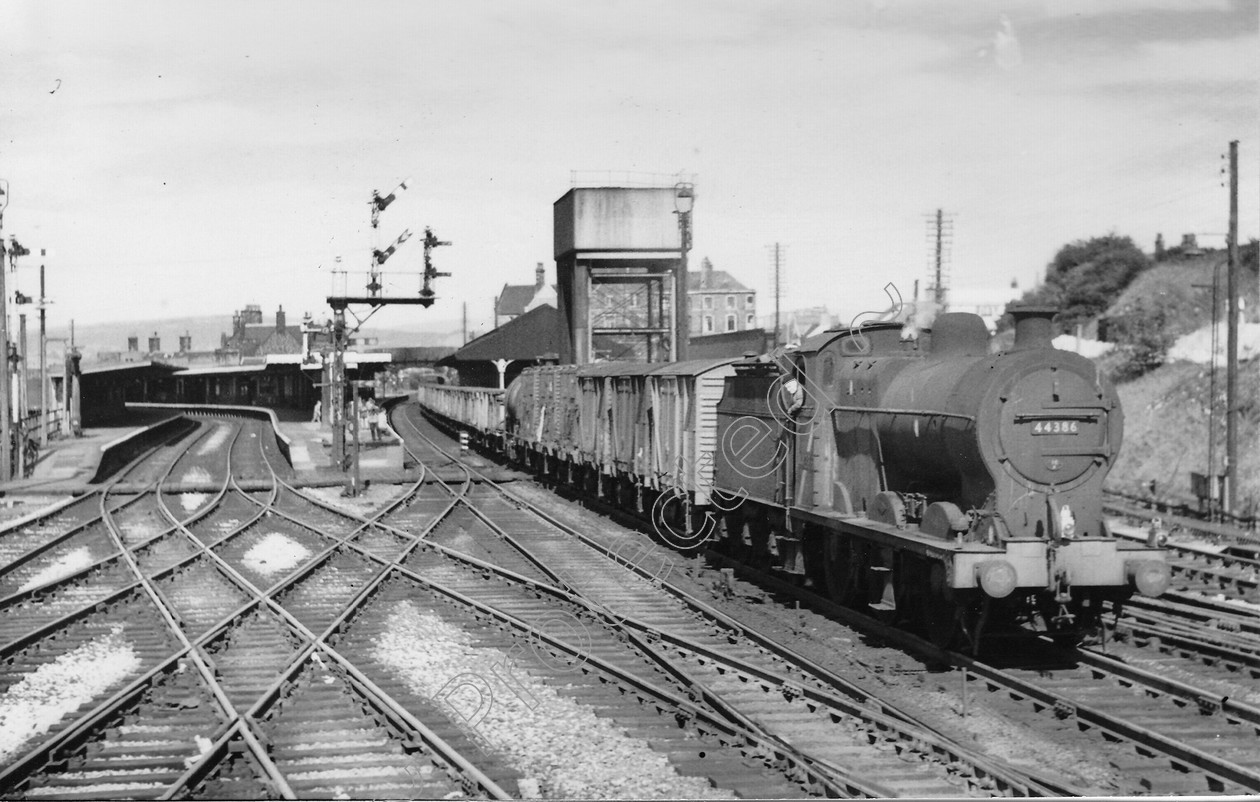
(1142, 336)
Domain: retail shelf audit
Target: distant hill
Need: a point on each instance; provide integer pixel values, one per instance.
(93, 339)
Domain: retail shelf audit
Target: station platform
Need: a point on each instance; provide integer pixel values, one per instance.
(310, 451)
(67, 465)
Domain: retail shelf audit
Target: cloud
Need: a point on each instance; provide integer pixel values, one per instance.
(1006, 51)
(1092, 8)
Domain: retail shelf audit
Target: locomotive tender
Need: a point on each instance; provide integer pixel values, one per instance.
(921, 477)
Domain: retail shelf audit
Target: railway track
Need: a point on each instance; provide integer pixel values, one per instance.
(1212, 750)
(264, 602)
(738, 676)
(1221, 646)
(1215, 561)
(202, 636)
(253, 641)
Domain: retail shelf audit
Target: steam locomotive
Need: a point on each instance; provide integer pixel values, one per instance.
(921, 478)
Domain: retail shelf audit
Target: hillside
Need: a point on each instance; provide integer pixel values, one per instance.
(1166, 410)
(1166, 428)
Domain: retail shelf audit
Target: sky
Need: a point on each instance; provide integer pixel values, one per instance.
(189, 158)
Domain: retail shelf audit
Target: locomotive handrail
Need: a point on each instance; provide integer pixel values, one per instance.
(1065, 414)
(922, 413)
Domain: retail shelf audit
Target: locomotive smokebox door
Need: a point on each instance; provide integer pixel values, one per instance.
(1054, 427)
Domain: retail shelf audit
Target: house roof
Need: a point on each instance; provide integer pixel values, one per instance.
(147, 366)
(221, 370)
(281, 342)
(514, 299)
(257, 332)
(532, 335)
(719, 281)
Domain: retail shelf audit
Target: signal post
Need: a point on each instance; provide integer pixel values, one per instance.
(374, 297)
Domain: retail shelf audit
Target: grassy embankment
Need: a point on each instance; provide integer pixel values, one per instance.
(1166, 410)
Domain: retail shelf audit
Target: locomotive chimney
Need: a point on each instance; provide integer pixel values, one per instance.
(1032, 326)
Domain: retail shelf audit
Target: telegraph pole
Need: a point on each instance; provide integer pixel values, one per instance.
(778, 266)
(940, 230)
(940, 291)
(5, 427)
(43, 357)
(20, 447)
(1231, 344)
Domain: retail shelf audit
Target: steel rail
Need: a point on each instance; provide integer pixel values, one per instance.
(1243, 531)
(198, 659)
(70, 579)
(1202, 612)
(214, 631)
(81, 727)
(574, 596)
(471, 777)
(646, 633)
(644, 637)
(84, 726)
(688, 709)
(100, 494)
(1235, 712)
(1086, 714)
(1181, 752)
(1209, 646)
(56, 508)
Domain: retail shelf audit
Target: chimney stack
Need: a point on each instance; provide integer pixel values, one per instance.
(280, 319)
(185, 342)
(1032, 326)
(706, 273)
(539, 277)
(155, 343)
(133, 343)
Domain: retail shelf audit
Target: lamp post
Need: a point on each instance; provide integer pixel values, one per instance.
(684, 200)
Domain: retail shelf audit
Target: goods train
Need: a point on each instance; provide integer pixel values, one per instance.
(913, 474)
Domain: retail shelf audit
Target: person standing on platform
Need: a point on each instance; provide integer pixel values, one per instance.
(382, 420)
(369, 412)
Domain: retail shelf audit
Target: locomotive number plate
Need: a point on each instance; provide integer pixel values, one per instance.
(1056, 427)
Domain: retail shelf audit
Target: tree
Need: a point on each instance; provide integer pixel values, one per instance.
(1087, 275)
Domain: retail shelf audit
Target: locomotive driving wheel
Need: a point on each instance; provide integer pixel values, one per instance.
(842, 569)
(759, 534)
(942, 617)
(731, 529)
(973, 615)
